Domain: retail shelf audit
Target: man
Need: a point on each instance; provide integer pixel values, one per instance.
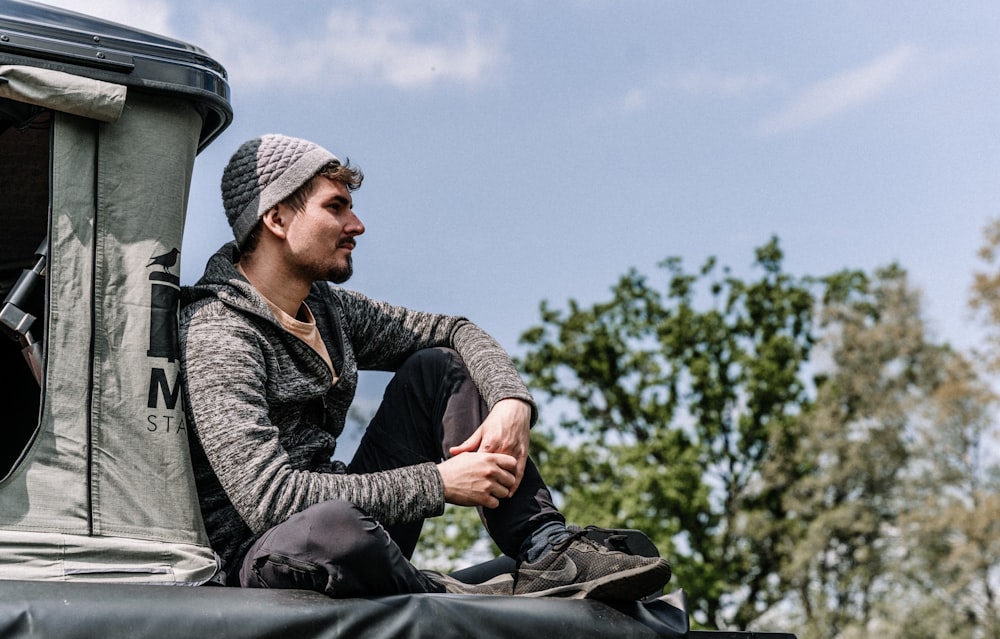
(271, 353)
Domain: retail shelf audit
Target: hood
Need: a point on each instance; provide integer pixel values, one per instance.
(221, 280)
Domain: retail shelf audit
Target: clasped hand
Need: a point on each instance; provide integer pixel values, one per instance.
(489, 465)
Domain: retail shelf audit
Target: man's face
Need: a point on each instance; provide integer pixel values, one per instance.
(320, 237)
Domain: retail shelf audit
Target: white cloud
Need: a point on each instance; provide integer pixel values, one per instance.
(634, 100)
(699, 81)
(154, 15)
(379, 48)
(843, 92)
(703, 80)
(344, 45)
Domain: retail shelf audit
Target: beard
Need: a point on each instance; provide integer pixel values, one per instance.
(341, 272)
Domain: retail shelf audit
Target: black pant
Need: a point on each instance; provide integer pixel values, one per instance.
(334, 547)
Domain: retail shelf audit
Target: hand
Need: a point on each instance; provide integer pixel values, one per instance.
(477, 479)
(507, 430)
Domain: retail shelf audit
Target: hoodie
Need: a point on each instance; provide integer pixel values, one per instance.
(266, 411)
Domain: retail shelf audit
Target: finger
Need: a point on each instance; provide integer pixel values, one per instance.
(500, 491)
(505, 479)
(506, 462)
(491, 442)
(486, 440)
(469, 445)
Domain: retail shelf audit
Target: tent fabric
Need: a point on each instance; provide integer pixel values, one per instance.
(106, 491)
(65, 92)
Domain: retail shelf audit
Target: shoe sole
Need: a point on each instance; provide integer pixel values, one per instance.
(628, 585)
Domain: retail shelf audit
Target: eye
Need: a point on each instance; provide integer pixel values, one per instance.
(338, 204)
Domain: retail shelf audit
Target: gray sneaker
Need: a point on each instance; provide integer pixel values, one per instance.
(580, 568)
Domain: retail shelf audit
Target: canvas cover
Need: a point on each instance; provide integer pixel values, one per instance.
(62, 91)
(105, 491)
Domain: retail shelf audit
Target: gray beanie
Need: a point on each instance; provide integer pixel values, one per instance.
(263, 172)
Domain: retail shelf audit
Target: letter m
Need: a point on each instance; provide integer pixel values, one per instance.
(158, 385)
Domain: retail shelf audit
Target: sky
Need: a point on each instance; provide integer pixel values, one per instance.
(522, 151)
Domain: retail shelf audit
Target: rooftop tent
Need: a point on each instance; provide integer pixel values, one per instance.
(99, 128)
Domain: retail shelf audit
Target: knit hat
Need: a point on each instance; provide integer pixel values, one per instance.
(263, 172)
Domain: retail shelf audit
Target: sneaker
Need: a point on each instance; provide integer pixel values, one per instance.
(626, 540)
(499, 585)
(580, 568)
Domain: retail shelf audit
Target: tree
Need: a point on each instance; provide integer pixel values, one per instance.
(878, 369)
(954, 561)
(950, 521)
(804, 451)
(453, 541)
(675, 405)
(985, 298)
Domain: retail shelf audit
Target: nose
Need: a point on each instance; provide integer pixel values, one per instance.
(354, 225)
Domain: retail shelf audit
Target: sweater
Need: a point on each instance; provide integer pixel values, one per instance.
(266, 412)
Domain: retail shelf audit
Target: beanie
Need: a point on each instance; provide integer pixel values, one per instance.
(263, 172)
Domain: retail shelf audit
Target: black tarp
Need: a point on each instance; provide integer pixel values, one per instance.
(112, 611)
(120, 611)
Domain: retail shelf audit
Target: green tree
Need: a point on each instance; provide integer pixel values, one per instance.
(673, 407)
(453, 541)
(802, 449)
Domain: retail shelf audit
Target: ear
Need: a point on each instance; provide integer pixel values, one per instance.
(275, 220)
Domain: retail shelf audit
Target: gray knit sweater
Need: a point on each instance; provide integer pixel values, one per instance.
(266, 418)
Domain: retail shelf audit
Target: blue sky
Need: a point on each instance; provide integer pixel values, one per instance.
(520, 151)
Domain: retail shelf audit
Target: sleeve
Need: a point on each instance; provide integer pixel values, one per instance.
(491, 367)
(383, 336)
(226, 365)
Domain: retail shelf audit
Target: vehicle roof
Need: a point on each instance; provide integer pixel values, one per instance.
(35, 34)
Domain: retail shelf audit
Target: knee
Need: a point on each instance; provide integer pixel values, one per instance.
(341, 530)
(330, 547)
(432, 368)
(360, 557)
(348, 535)
(432, 360)
(334, 514)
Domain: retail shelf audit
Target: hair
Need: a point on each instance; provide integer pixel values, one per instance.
(350, 176)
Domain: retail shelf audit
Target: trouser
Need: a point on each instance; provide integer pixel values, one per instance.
(335, 547)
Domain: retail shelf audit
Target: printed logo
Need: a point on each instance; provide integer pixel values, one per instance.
(164, 303)
(164, 381)
(565, 573)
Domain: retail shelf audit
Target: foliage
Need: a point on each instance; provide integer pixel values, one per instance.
(779, 439)
(682, 411)
(881, 372)
(950, 516)
(985, 298)
(803, 450)
(453, 541)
